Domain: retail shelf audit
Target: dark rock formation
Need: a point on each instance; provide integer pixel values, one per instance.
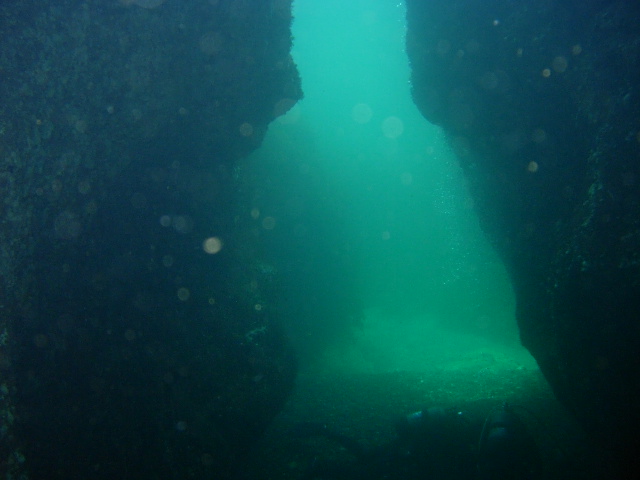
(136, 335)
(541, 102)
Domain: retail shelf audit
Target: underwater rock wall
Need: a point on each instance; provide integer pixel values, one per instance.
(136, 338)
(540, 102)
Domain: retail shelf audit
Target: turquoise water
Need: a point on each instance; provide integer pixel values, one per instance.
(367, 206)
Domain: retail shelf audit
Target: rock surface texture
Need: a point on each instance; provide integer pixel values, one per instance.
(541, 102)
(136, 338)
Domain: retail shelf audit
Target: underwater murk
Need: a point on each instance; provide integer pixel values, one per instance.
(317, 239)
(373, 207)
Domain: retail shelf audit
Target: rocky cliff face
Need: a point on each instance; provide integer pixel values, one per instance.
(136, 334)
(541, 102)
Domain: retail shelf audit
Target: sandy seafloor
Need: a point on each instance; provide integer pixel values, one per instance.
(353, 394)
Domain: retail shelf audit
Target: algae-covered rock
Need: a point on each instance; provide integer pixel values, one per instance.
(539, 100)
(129, 293)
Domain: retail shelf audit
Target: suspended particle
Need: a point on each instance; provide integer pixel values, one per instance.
(392, 127)
(268, 223)
(40, 340)
(211, 43)
(168, 261)
(130, 335)
(206, 459)
(246, 129)
(84, 187)
(181, 426)
(282, 106)
(212, 245)
(538, 135)
(560, 64)
(361, 113)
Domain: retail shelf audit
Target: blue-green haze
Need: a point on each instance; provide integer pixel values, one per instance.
(355, 172)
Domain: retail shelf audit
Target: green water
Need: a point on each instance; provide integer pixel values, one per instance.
(354, 174)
